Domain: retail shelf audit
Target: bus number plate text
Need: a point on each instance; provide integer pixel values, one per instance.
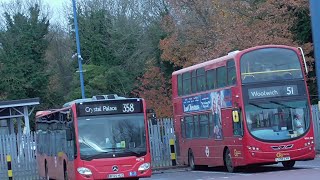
(282, 159)
(116, 175)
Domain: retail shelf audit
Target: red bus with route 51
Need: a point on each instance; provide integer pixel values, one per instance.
(250, 107)
(102, 137)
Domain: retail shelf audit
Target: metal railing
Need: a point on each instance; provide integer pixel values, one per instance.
(17, 157)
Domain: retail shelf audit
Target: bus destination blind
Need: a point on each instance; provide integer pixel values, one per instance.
(275, 91)
(107, 108)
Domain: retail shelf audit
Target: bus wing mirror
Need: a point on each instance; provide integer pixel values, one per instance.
(150, 111)
(235, 116)
(152, 116)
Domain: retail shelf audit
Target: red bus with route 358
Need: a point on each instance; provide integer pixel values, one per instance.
(102, 137)
(250, 107)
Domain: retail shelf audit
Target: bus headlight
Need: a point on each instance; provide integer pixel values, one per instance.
(84, 171)
(144, 167)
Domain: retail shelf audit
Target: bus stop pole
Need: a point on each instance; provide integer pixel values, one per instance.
(315, 22)
(78, 47)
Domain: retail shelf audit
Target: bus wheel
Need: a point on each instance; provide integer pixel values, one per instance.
(288, 164)
(46, 171)
(191, 161)
(65, 171)
(228, 161)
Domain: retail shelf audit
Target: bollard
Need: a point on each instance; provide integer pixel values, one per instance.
(173, 153)
(9, 167)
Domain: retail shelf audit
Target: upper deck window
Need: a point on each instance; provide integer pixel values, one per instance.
(186, 83)
(211, 79)
(222, 76)
(270, 64)
(179, 84)
(201, 79)
(231, 68)
(194, 81)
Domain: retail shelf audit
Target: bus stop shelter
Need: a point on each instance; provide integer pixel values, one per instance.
(16, 111)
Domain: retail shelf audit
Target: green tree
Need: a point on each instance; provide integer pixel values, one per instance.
(22, 52)
(117, 39)
(302, 31)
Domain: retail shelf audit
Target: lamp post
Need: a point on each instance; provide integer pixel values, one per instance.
(78, 47)
(315, 21)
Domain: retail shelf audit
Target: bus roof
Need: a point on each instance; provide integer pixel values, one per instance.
(67, 105)
(229, 56)
(220, 59)
(97, 98)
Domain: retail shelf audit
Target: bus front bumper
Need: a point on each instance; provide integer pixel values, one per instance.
(125, 174)
(260, 157)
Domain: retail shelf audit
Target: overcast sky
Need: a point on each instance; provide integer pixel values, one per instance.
(57, 8)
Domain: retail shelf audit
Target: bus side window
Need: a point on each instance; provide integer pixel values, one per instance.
(186, 83)
(183, 128)
(70, 136)
(211, 79)
(179, 84)
(211, 125)
(237, 123)
(201, 79)
(189, 126)
(194, 81)
(231, 72)
(204, 125)
(196, 125)
(222, 77)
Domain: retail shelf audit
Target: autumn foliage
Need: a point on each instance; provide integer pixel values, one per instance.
(156, 90)
(199, 30)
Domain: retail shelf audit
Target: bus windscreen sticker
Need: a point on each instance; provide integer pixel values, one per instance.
(275, 91)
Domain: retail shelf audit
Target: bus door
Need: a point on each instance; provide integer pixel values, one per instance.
(233, 132)
(181, 149)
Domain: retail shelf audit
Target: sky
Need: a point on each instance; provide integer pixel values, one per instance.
(57, 8)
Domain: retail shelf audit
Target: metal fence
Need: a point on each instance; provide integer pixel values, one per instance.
(316, 124)
(20, 149)
(160, 133)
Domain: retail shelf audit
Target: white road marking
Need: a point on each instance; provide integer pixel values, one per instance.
(210, 172)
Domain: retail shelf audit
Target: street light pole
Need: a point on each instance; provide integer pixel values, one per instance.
(78, 47)
(315, 21)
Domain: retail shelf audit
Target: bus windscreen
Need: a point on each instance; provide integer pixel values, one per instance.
(277, 120)
(112, 136)
(269, 64)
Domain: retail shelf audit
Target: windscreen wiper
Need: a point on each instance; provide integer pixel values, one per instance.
(256, 105)
(90, 157)
(113, 148)
(284, 105)
(125, 150)
(135, 152)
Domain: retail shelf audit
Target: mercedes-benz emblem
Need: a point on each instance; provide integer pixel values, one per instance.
(115, 168)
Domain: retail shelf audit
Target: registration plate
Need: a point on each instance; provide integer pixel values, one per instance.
(116, 175)
(283, 159)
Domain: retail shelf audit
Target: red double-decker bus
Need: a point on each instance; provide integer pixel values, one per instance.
(102, 137)
(250, 107)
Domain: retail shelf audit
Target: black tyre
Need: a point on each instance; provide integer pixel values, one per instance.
(191, 161)
(65, 171)
(288, 164)
(46, 171)
(228, 161)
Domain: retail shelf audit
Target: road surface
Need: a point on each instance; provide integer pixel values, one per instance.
(306, 170)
